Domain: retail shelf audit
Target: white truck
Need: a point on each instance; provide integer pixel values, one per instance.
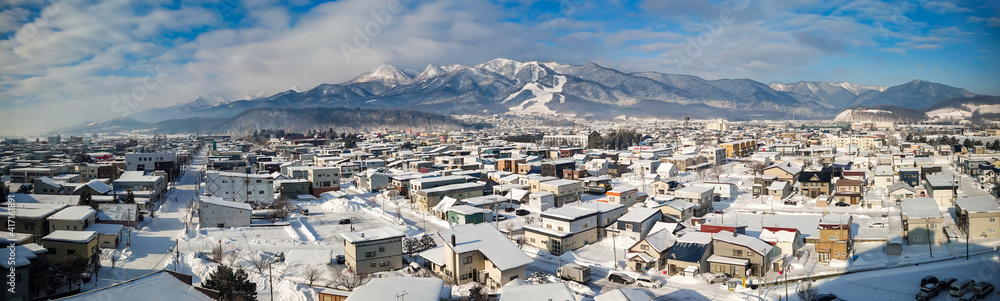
(574, 272)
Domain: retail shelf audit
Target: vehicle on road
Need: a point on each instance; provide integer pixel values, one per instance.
(574, 272)
(522, 212)
(928, 279)
(650, 282)
(620, 278)
(982, 289)
(344, 221)
(961, 287)
(929, 290)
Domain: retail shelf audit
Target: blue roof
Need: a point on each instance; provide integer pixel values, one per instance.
(687, 251)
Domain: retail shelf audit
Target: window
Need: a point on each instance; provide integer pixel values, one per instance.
(833, 237)
(369, 253)
(258, 181)
(532, 239)
(560, 228)
(52, 250)
(644, 247)
(628, 227)
(381, 249)
(70, 251)
(738, 253)
(993, 219)
(29, 226)
(261, 192)
(992, 230)
(467, 259)
(585, 226)
(373, 264)
(513, 277)
(384, 263)
(549, 226)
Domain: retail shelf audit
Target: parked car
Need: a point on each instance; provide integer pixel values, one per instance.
(509, 209)
(946, 284)
(716, 278)
(928, 291)
(341, 259)
(501, 217)
(620, 278)
(826, 297)
(928, 279)
(646, 281)
(522, 212)
(961, 287)
(970, 296)
(842, 204)
(981, 289)
(344, 221)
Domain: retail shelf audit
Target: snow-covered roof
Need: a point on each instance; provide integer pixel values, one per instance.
(920, 208)
(660, 225)
(71, 236)
(517, 291)
(835, 219)
(560, 182)
(31, 210)
(467, 210)
(778, 185)
(623, 294)
(638, 214)
(454, 187)
(941, 181)
(750, 242)
(371, 234)
(435, 255)
(117, 212)
(568, 212)
(978, 204)
(901, 185)
(728, 260)
(22, 257)
(696, 237)
(883, 170)
(106, 228)
(485, 200)
(155, 286)
(217, 201)
(488, 240)
(661, 240)
(776, 236)
(50, 181)
(74, 213)
(445, 203)
(97, 185)
(789, 167)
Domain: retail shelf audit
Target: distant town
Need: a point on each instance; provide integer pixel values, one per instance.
(628, 209)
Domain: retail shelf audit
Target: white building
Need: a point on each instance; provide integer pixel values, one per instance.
(237, 187)
(216, 212)
(565, 140)
(717, 125)
(147, 161)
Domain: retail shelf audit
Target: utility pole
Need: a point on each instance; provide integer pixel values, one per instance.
(270, 277)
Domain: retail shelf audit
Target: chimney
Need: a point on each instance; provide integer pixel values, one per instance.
(734, 233)
(453, 240)
(362, 234)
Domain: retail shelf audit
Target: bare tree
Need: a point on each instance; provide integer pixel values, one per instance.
(257, 261)
(350, 280)
(529, 219)
(757, 168)
(509, 226)
(312, 274)
(231, 257)
(716, 170)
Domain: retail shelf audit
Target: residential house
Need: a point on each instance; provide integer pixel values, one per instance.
(665, 187)
(623, 195)
(238, 187)
(373, 250)
(910, 176)
(47, 185)
(761, 184)
(18, 265)
(689, 255)
(667, 170)
(636, 223)
(214, 211)
(883, 176)
(108, 235)
(30, 218)
(900, 191)
(942, 189)
(922, 221)
(555, 168)
(522, 290)
(723, 191)
(563, 229)
(62, 244)
(397, 288)
(650, 252)
(714, 155)
(431, 182)
(607, 215)
(325, 179)
(779, 190)
(93, 187)
(165, 284)
(465, 214)
(697, 195)
(678, 209)
(848, 191)
(835, 239)
(427, 198)
(541, 201)
(597, 167)
(565, 191)
(787, 241)
(815, 183)
(784, 171)
(477, 253)
(75, 218)
(740, 255)
(978, 216)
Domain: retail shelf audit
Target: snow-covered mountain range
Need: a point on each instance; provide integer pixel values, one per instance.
(589, 90)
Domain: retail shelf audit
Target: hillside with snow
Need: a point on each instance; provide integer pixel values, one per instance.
(880, 114)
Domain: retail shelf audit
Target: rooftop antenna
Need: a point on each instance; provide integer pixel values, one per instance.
(401, 296)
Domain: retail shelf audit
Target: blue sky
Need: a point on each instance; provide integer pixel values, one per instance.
(63, 62)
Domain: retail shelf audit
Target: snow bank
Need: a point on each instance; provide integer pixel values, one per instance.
(342, 205)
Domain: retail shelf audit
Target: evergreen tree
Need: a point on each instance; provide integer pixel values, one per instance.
(594, 140)
(129, 197)
(232, 285)
(85, 199)
(967, 143)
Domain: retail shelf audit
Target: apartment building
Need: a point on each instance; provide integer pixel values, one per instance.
(237, 187)
(563, 229)
(373, 250)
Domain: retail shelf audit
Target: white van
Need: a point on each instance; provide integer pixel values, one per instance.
(961, 287)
